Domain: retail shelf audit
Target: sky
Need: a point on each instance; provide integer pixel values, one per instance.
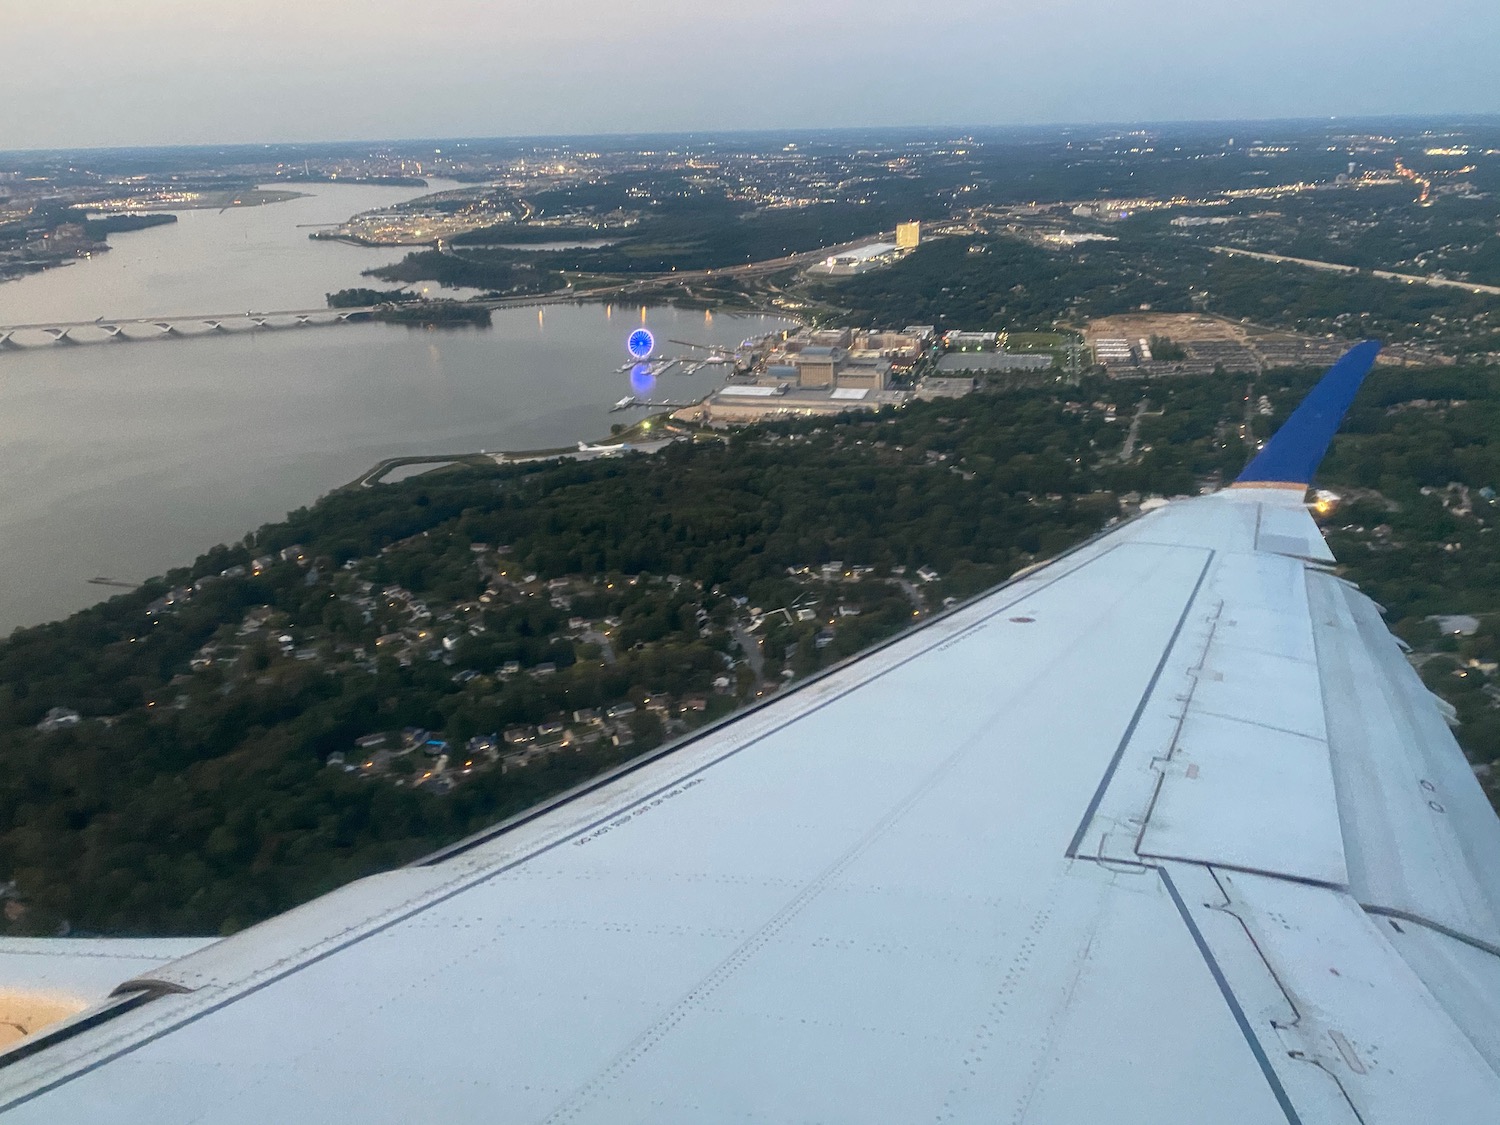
(84, 73)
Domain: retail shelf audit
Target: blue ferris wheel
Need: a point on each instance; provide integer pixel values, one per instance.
(641, 343)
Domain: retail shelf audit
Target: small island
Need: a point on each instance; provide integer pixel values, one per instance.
(434, 314)
(363, 298)
(397, 306)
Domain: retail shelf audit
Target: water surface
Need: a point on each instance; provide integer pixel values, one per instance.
(122, 460)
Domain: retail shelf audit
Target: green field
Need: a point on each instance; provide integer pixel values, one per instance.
(1034, 341)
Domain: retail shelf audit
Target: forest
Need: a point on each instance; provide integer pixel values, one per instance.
(435, 314)
(495, 271)
(1020, 285)
(359, 298)
(692, 233)
(103, 226)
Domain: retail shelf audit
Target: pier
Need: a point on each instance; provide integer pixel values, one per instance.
(650, 404)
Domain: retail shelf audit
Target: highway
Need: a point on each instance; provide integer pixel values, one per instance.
(1387, 275)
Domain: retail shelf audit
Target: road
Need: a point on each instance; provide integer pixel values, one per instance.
(1387, 275)
(746, 269)
(751, 647)
(376, 474)
(595, 637)
(1134, 433)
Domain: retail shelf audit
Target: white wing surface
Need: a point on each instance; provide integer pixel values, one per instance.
(1165, 831)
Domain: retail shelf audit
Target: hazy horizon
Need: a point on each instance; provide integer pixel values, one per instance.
(977, 129)
(179, 72)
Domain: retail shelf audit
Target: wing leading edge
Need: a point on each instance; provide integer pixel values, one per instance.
(1165, 831)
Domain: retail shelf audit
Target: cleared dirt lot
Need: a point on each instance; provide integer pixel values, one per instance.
(1212, 341)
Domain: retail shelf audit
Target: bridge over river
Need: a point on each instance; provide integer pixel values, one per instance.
(135, 329)
(141, 328)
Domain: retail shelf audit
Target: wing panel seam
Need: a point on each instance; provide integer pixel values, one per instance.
(1140, 710)
(1437, 927)
(1243, 1021)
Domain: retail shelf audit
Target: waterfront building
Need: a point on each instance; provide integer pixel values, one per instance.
(819, 366)
(859, 260)
(872, 376)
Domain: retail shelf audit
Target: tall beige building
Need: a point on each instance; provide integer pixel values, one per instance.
(908, 235)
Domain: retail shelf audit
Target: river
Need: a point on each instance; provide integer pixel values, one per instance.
(123, 460)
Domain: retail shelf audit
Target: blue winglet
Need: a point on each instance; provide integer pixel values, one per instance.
(1292, 455)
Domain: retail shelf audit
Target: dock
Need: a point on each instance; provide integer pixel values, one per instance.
(651, 404)
(101, 581)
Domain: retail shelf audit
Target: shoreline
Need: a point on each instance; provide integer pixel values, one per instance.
(606, 447)
(215, 201)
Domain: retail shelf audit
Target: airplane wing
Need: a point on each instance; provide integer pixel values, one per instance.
(1165, 831)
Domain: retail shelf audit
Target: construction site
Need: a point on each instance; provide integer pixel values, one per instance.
(1199, 343)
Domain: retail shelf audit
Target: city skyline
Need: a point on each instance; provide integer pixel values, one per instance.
(171, 72)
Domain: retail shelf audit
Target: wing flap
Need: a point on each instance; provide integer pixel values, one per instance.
(1419, 833)
(1363, 1015)
(1248, 796)
(1246, 780)
(1463, 978)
